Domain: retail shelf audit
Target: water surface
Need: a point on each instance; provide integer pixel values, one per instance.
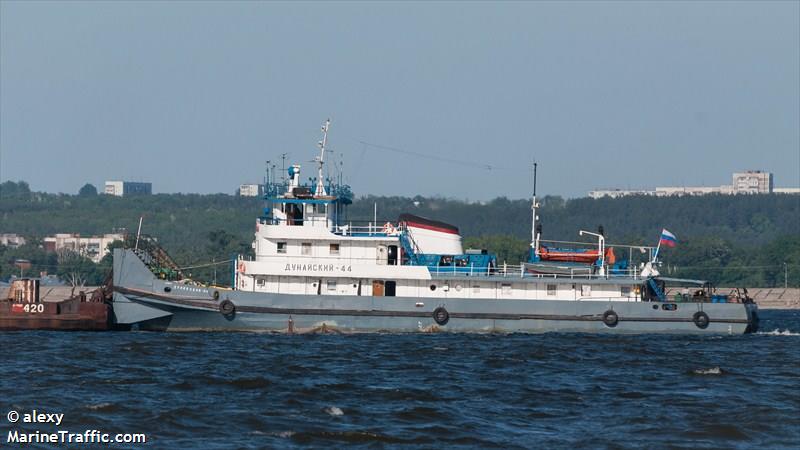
(252, 390)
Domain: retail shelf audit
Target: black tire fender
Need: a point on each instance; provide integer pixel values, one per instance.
(227, 307)
(441, 316)
(610, 318)
(701, 319)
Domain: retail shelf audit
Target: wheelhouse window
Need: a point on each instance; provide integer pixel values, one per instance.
(551, 289)
(281, 247)
(305, 248)
(334, 249)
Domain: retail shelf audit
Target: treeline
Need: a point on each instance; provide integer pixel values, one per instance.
(727, 239)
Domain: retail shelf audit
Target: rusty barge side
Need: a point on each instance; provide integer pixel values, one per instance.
(23, 309)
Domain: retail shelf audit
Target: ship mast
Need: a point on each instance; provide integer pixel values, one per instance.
(534, 208)
(320, 190)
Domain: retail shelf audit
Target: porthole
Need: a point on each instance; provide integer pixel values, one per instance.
(655, 306)
(167, 288)
(433, 287)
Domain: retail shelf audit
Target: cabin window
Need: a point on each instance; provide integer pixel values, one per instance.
(305, 248)
(476, 289)
(586, 290)
(334, 248)
(331, 285)
(505, 289)
(551, 289)
(281, 247)
(391, 288)
(260, 281)
(625, 291)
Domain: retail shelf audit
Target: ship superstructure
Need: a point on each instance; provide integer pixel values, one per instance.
(313, 267)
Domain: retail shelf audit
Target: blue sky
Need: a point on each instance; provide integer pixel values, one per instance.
(195, 97)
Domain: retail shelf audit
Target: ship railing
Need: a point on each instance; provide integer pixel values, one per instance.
(359, 229)
(322, 221)
(366, 229)
(518, 271)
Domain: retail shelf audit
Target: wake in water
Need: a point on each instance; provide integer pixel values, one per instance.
(710, 371)
(334, 411)
(778, 332)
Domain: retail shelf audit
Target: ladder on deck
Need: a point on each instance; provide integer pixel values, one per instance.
(409, 246)
(157, 259)
(657, 290)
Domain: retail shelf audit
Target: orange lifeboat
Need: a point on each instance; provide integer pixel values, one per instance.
(582, 255)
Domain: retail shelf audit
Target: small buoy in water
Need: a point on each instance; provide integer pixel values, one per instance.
(291, 325)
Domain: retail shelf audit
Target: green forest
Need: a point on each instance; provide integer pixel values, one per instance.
(751, 240)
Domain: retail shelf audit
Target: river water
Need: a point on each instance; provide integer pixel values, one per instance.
(252, 390)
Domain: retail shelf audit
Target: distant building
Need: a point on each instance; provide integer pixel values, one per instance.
(616, 193)
(250, 190)
(124, 188)
(11, 240)
(92, 247)
(696, 190)
(752, 182)
(747, 182)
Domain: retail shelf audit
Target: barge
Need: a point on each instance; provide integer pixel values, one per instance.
(23, 309)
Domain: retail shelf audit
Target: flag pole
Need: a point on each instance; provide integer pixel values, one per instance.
(658, 247)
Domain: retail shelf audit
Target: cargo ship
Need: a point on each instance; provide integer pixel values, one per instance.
(314, 270)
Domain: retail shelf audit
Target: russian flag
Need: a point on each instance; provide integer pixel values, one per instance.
(667, 238)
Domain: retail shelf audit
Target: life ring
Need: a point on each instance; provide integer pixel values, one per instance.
(610, 318)
(701, 319)
(441, 316)
(388, 228)
(227, 307)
